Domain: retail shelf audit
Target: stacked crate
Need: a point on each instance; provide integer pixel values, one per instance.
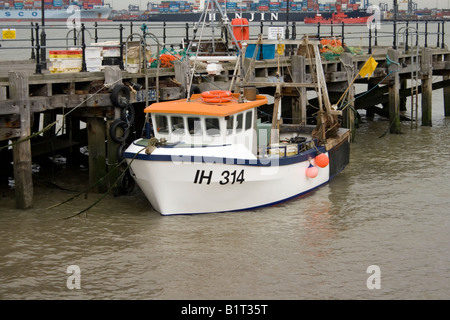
(65, 61)
(94, 59)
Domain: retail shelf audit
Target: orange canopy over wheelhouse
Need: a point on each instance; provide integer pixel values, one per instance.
(198, 106)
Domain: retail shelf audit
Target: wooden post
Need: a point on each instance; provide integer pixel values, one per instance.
(49, 118)
(181, 73)
(2, 93)
(4, 164)
(447, 91)
(394, 93)
(403, 86)
(446, 98)
(112, 147)
(427, 86)
(298, 63)
(112, 75)
(97, 153)
(349, 113)
(73, 131)
(19, 91)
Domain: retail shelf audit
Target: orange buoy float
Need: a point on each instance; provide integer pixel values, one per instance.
(241, 29)
(217, 96)
(312, 171)
(322, 160)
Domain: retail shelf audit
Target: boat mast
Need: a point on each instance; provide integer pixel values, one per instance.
(214, 4)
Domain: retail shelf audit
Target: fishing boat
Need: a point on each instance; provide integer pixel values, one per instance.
(214, 152)
(216, 157)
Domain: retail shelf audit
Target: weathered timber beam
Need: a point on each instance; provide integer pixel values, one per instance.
(9, 133)
(379, 95)
(19, 90)
(41, 104)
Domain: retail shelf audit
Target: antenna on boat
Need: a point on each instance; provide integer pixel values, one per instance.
(213, 6)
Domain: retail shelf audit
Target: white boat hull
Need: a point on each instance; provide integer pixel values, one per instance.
(204, 185)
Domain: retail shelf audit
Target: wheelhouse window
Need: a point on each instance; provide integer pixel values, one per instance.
(177, 124)
(239, 122)
(212, 126)
(230, 121)
(162, 126)
(194, 126)
(248, 120)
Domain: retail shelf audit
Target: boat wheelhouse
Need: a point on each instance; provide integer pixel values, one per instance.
(199, 123)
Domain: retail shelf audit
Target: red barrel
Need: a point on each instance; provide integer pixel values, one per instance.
(241, 29)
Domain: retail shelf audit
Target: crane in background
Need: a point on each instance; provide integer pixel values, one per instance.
(412, 6)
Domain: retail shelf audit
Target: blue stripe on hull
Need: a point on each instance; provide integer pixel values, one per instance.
(265, 162)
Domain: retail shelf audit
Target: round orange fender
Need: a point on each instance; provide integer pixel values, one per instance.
(322, 160)
(217, 96)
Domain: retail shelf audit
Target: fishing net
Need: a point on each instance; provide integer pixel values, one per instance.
(167, 57)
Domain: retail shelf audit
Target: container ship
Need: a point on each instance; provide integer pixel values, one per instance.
(253, 11)
(55, 10)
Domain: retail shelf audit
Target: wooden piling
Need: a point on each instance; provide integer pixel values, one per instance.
(447, 98)
(2, 93)
(427, 86)
(349, 114)
(49, 118)
(298, 64)
(112, 147)
(113, 75)
(97, 153)
(4, 164)
(394, 92)
(403, 86)
(447, 90)
(23, 181)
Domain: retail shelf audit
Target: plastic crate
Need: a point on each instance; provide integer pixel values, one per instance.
(64, 54)
(66, 63)
(268, 51)
(64, 70)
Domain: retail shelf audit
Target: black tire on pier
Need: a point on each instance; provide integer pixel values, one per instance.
(119, 123)
(120, 96)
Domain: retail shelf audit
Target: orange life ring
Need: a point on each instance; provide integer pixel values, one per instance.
(217, 96)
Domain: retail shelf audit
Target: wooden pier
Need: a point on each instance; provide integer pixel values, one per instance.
(32, 103)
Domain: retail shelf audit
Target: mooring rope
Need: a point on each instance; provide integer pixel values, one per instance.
(368, 91)
(113, 185)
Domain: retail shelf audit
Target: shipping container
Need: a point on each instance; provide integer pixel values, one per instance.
(174, 8)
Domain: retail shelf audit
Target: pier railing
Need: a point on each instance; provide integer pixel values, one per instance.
(39, 39)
